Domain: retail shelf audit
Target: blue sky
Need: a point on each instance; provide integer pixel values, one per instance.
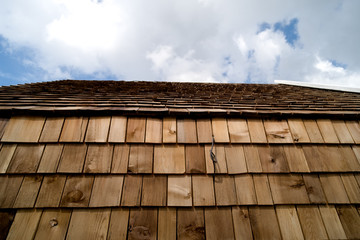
(189, 40)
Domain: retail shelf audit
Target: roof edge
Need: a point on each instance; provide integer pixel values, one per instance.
(320, 86)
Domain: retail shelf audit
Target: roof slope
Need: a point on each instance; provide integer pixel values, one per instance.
(118, 176)
(176, 98)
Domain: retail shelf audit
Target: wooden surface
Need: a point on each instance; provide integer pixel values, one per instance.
(203, 190)
(131, 191)
(143, 224)
(220, 165)
(24, 129)
(257, 131)
(204, 130)
(51, 191)
(169, 130)
(106, 191)
(26, 159)
(120, 159)
(117, 130)
(74, 129)
(154, 191)
(273, 159)
(53, 224)
(98, 158)
(28, 192)
(25, 224)
(167, 223)
(245, 190)
(6, 154)
(289, 222)
(169, 159)
(52, 129)
(72, 158)
(195, 159)
(135, 130)
(179, 191)
(186, 131)
(220, 130)
(238, 130)
(242, 226)
(298, 131)
(153, 130)
(190, 223)
(118, 226)
(77, 191)
(98, 129)
(264, 223)
(218, 223)
(277, 131)
(50, 158)
(9, 188)
(141, 159)
(225, 191)
(89, 224)
(235, 159)
(311, 222)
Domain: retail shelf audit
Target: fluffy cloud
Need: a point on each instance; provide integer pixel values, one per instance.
(204, 40)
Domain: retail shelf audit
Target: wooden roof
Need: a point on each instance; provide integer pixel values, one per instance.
(112, 175)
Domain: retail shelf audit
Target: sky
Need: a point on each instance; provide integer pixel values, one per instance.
(227, 41)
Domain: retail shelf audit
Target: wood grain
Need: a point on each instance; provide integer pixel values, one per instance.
(26, 158)
(354, 129)
(118, 226)
(89, 224)
(332, 222)
(264, 223)
(190, 223)
(98, 129)
(154, 191)
(314, 189)
(143, 224)
(352, 188)
(106, 191)
(23, 129)
(289, 222)
(220, 130)
(298, 131)
(204, 130)
(153, 130)
(327, 131)
(74, 129)
(117, 130)
(77, 191)
(179, 190)
(72, 158)
(98, 158)
(342, 131)
(25, 224)
(169, 159)
(333, 188)
(50, 158)
(242, 226)
(235, 159)
(288, 189)
(311, 222)
(50, 191)
(296, 158)
(203, 190)
(220, 165)
(9, 188)
(350, 220)
(52, 129)
(28, 192)
(257, 131)
(195, 159)
(141, 158)
(252, 158)
(238, 130)
(53, 224)
(262, 189)
(245, 189)
(219, 223)
(277, 131)
(186, 131)
(225, 190)
(167, 223)
(273, 159)
(6, 153)
(169, 130)
(313, 131)
(131, 193)
(135, 132)
(120, 158)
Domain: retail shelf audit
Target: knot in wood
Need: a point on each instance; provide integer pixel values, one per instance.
(53, 222)
(75, 196)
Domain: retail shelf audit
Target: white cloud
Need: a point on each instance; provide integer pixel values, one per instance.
(204, 40)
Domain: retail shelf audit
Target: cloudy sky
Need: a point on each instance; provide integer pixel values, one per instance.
(181, 40)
